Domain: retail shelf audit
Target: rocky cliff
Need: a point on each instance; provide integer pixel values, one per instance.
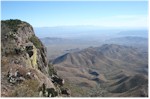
(24, 67)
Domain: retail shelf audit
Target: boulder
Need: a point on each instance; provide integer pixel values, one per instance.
(57, 80)
(66, 91)
(51, 92)
(47, 92)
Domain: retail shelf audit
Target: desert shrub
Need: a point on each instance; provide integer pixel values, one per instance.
(36, 42)
(28, 88)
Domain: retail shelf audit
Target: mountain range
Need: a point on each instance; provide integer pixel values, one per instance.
(121, 70)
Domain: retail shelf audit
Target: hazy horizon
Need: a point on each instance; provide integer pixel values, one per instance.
(83, 32)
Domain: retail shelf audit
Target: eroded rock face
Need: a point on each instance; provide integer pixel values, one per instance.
(23, 58)
(22, 42)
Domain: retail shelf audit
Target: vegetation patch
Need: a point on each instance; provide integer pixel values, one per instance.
(51, 70)
(36, 42)
(13, 24)
(28, 88)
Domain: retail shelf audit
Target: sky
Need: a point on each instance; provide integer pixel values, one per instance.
(114, 14)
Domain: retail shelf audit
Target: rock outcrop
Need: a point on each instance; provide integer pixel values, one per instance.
(24, 62)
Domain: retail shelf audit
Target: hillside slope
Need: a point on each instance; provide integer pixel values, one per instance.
(114, 67)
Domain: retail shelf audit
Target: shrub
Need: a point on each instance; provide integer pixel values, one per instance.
(36, 42)
(51, 70)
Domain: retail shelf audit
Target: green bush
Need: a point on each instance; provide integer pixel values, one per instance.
(36, 42)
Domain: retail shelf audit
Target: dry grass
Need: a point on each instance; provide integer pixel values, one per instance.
(26, 89)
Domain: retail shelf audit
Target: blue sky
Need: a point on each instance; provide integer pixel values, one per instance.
(130, 14)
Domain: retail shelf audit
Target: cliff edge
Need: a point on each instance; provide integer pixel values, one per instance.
(25, 71)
